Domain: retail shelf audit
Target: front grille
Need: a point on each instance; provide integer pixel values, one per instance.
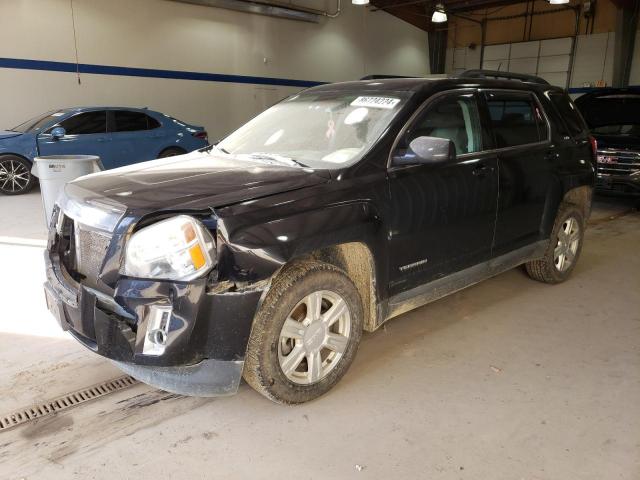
(91, 250)
(618, 162)
(82, 250)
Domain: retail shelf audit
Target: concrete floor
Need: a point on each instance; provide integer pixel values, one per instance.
(510, 379)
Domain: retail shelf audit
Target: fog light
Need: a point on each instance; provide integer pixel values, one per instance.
(158, 322)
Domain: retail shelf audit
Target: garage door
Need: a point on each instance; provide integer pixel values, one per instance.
(549, 59)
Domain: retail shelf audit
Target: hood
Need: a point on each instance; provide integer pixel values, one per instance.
(617, 142)
(610, 107)
(8, 134)
(196, 180)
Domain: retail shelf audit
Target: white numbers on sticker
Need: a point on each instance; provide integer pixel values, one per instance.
(375, 102)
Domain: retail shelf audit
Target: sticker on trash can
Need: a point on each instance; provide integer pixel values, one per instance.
(57, 167)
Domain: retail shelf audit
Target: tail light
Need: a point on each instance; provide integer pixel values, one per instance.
(594, 145)
(202, 135)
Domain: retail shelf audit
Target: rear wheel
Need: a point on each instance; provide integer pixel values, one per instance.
(564, 248)
(171, 152)
(305, 335)
(15, 175)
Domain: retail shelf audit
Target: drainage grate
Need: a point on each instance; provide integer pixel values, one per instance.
(67, 401)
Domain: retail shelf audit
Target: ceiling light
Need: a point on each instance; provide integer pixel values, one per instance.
(360, 2)
(558, 2)
(439, 16)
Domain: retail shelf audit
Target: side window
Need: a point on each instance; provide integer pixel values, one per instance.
(455, 117)
(152, 123)
(516, 119)
(127, 121)
(569, 112)
(86, 123)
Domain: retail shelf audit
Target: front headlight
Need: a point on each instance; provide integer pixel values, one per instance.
(179, 248)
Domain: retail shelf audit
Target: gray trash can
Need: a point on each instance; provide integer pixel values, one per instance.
(54, 171)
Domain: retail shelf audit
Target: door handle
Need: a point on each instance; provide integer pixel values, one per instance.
(480, 170)
(551, 156)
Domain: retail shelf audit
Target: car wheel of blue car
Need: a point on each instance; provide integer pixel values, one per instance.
(15, 175)
(171, 152)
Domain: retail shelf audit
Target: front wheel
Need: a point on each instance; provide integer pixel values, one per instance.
(305, 335)
(564, 248)
(15, 175)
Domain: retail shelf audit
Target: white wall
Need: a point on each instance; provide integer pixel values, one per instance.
(168, 35)
(594, 59)
(549, 59)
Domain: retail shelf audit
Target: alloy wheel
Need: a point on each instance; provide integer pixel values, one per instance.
(568, 241)
(314, 337)
(14, 176)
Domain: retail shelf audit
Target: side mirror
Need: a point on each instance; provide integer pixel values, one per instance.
(58, 133)
(428, 150)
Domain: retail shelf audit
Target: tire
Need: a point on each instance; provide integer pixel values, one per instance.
(15, 175)
(270, 351)
(551, 268)
(171, 152)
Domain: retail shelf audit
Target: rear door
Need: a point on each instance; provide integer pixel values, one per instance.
(86, 134)
(136, 136)
(442, 216)
(574, 136)
(526, 161)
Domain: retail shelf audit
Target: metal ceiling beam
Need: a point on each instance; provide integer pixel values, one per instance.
(450, 5)
(264, 8)
(625, 4)
(467, 5)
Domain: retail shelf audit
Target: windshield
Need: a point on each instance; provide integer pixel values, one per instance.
(317, 130)
(629, 129)
(38, 123)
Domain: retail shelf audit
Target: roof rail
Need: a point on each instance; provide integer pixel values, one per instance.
(382, 77)
(523, 77)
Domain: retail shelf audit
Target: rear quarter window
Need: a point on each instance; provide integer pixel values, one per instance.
(568, 112)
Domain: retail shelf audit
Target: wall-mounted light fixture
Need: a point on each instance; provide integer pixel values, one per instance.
(558, 2)
(360, 2)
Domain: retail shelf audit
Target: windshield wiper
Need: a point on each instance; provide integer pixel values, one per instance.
(277, 158)
(208, 149)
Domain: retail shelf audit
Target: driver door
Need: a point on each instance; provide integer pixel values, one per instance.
(442, 214)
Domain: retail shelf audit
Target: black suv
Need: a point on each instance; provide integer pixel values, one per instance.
(613, 114)
(335, 210)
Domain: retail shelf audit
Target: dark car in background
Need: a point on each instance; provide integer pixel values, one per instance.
(613, 115)
(339, 208)
(118, 135)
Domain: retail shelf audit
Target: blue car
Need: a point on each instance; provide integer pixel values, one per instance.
(119, 136)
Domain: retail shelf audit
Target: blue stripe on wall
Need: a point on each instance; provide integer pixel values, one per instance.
(46, 65)
(50, 66)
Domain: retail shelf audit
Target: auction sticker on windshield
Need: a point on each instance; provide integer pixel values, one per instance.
(375, 102)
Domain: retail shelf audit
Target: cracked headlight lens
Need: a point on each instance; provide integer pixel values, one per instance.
(179, 248)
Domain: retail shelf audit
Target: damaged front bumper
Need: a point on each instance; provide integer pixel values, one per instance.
(176, 336)
(209, 378)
